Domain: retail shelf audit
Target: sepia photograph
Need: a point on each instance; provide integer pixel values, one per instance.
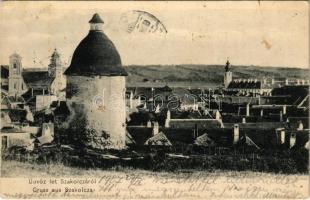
(154, 100)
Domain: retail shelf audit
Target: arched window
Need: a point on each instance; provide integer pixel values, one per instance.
(14, 85)
(14, 65)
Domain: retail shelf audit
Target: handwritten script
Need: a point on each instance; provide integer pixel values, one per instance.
(142, 184)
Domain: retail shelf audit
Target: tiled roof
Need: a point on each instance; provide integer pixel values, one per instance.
(17, 115)
(140, 134)
(166, 88)
(246, 140)
(11, 130)
(4, 71)
(204, 140)
(244, 85)
(190, 123)
(62, 109)
(5, 87)
(37, 78)
(16, 99)
(159, 139)
(96, 55)
(129, 139)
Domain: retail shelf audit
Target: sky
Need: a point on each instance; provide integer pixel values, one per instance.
(247, 32)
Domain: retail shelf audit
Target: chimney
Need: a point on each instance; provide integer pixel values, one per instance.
(48, 129)
(284, 109)
(167, 121)
(196, 131)
(300, 126)
(139, 100)
(292, 139)
(280, 135)
(131, 100)
(236, 134)
(149, 124)
(247, 109)
(155, 128)
(243, 120)
(157, 110)
(217, 115)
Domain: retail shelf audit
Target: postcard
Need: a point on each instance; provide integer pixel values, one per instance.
(154, 100)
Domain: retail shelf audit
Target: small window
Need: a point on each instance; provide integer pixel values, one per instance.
(14, 65)
(14, 85)
(22, 86)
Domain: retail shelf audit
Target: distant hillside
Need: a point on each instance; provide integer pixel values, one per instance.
(208, 74)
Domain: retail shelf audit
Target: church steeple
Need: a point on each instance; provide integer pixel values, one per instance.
(96, 23)
(227, 74)
(55, 63)
(227, 67)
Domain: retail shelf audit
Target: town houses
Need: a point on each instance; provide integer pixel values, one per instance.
(87, 104)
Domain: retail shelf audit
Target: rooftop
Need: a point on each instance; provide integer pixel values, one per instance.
(96, 55)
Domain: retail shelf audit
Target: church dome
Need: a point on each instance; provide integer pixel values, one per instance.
(96, 54)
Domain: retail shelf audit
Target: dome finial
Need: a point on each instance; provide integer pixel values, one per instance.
(96, 19)
(96, 23)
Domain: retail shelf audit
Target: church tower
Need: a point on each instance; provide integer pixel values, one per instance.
(16, 83)
(227, 75)
(55, 70)
(96, 90)
(55, 64)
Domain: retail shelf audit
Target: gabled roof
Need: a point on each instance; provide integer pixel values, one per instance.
(248, 141)
(17, 115)
(158, 139)
(16, 99)
(129, 140)
(204, 141)
(11, 130)
(166, 88)
(62, 109)
(45, 139)
(140, 134)
(179, 136)
(5, 103)
(4, 88)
